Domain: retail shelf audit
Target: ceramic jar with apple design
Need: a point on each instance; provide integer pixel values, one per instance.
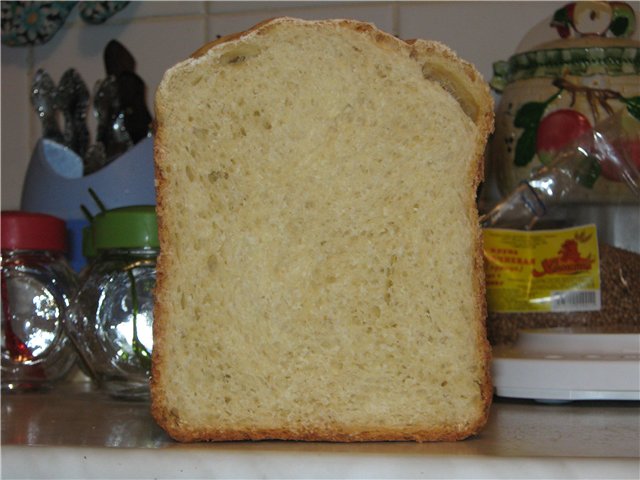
(555, 93)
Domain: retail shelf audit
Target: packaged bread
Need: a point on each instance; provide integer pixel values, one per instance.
(620, 284)
(320, 274)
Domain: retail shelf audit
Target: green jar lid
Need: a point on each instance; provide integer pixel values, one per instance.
(126, 227)
(556, 63)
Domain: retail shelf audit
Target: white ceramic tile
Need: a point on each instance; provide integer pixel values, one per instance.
(480, 32)
(156, 44)
(144, 9)
(137, 10)
(159, 45)
(379, 14)
(240, 6)
(542, 33)
(16, 111)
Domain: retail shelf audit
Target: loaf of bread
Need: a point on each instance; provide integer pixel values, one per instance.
(320, 274)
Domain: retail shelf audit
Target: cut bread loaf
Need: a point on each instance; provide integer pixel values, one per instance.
(320, 274)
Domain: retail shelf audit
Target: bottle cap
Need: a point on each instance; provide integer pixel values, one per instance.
(126, 227)
(32, 231)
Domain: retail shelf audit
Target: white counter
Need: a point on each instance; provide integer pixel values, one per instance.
(74, 432)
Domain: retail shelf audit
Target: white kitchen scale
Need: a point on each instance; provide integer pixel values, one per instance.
(562, 364)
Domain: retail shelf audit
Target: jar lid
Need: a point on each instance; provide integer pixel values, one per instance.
(126, 227)
(558, 62)
(596, 38)
(32, 231)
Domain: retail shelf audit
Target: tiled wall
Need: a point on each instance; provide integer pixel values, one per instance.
(159, 34)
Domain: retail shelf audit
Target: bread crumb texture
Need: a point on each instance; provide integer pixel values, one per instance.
(319, 274)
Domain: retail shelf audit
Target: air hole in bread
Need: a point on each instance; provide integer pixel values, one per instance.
(455, 84)
(240, 54)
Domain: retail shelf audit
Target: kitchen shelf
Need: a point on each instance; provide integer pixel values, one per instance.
(74, 431)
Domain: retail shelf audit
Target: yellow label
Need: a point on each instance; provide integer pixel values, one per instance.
(543, 270)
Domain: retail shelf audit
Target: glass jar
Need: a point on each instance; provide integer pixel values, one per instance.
(37, 284)
(111, 316)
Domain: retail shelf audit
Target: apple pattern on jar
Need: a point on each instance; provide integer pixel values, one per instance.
(555, 94)
(545, 130)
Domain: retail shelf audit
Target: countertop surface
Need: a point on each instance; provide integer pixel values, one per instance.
(74, 431)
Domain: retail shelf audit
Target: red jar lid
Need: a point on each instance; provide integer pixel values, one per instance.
(32, 231)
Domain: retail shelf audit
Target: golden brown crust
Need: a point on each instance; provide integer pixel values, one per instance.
(229, 38)
(266, 25)
(334, 434)
(481, 112)
(158, 325)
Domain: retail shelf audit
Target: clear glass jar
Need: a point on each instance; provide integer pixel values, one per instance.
(37, 284)
(111, 316)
